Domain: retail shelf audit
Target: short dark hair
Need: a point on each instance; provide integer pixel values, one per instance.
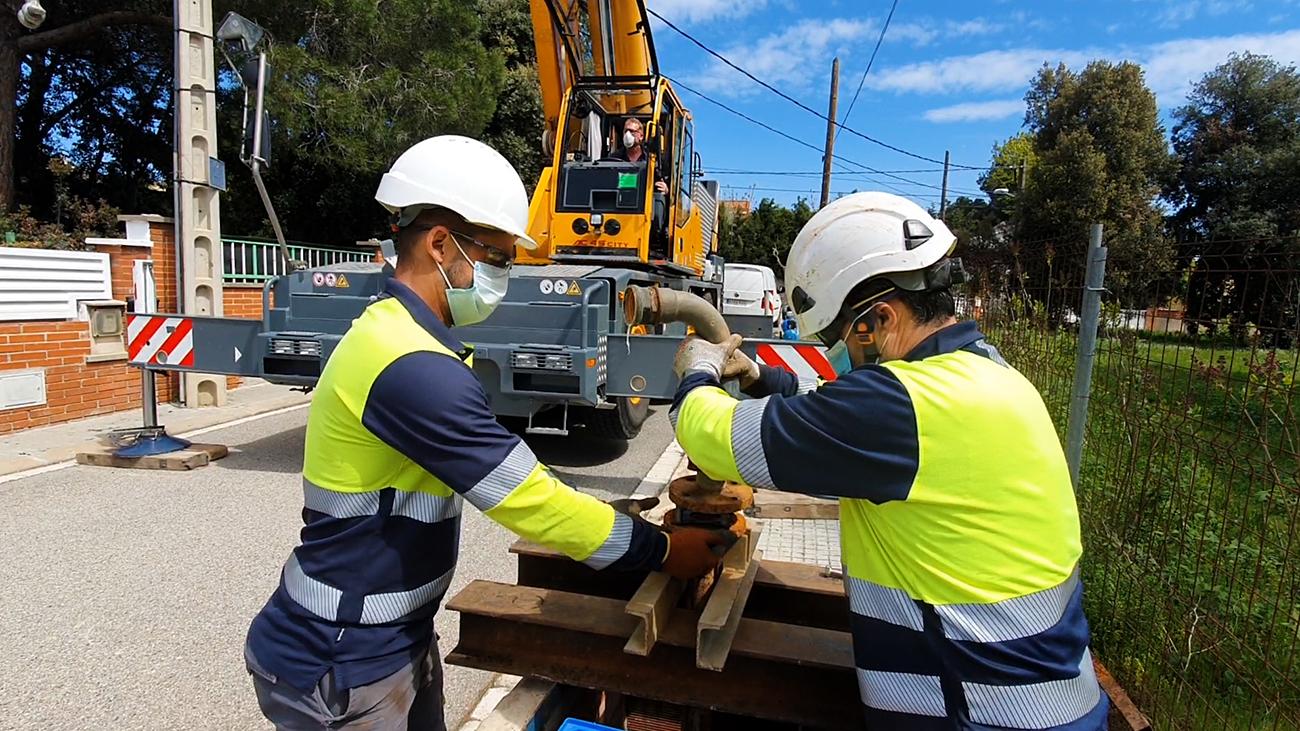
(927, 306)
(428, 218)
(930, 305)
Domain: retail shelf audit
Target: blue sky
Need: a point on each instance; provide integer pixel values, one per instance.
(949, 75)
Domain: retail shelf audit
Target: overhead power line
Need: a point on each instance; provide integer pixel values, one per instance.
(792, 138)
(794, 101)
(883, 30)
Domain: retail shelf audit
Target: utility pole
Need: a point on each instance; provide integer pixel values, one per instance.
(198, 206)
(943, 195)
(830, 132)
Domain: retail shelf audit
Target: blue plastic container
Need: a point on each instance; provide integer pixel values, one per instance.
(573, 724)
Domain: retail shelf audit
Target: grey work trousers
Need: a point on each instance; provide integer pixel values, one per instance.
(408, 700)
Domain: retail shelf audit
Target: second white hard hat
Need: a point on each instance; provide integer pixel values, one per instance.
(463, 175)
(856, 238)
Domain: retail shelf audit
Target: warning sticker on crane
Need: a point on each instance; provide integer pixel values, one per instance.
(803, 360)
(342, 282)
(160, 340)
(573, 289)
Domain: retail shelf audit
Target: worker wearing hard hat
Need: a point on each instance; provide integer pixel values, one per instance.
(398, 437)
(959, 527)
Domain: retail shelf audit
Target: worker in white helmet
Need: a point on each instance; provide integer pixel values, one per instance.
(959, 528)
(399, 436)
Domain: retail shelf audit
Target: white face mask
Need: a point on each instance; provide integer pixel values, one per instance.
(475, 303)
(629, 139)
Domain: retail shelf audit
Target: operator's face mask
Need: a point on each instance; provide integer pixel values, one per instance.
(475, 303)
(629, 139)
(838, 353)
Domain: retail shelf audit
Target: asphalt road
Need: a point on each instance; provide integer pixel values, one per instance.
(126, 594)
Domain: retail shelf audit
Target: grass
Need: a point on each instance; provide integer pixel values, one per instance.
(1190, 505)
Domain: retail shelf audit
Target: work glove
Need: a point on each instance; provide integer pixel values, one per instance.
(741, 367)
(694, 552)
(697, 355)
(633, 507)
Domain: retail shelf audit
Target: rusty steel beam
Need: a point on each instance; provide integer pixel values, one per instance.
(800, 675)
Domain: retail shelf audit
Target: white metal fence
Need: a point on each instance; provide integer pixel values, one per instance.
(254, 262)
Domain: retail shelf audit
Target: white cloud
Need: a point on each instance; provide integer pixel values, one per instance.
(1172, 67)
(974, 27)
(917, 34)
(976, 111)
(1176, 12)
(700, 11)
(788, 60)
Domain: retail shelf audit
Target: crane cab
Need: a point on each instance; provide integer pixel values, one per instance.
(598, 202)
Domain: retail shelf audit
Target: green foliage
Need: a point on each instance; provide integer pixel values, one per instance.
(1101, 158)
(1238, 145)
(1010, 162)
(764, 235)
(82, 219)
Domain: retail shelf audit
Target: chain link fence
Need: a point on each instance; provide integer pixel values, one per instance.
(1189, 492)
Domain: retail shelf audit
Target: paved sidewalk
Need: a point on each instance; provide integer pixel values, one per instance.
(59, 443)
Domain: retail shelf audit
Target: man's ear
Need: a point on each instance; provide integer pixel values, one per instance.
(435, 242)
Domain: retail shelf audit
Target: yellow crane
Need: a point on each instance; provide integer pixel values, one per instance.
(597, 67)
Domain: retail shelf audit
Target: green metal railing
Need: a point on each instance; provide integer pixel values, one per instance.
(249, 261)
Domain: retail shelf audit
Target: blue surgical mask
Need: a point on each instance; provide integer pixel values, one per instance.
(475, 303)
(838, 355)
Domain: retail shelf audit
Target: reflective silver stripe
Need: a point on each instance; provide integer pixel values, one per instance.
(807, 385)
(620, 537)
(984, 347)
(426, 507)
(390, 607)
(1035, 705)
(503, 479)
(315, 596)
(883, 603)
(672, 418)
(902, 692)
(339, 504)
(747, 442)
(1023, 616)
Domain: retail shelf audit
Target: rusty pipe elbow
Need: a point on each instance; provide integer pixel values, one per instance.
(657, 305)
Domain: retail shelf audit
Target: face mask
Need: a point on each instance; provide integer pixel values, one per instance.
(475, 303)
(629, 139)
(838, 355)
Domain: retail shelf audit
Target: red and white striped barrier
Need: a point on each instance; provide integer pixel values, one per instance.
(160, 340)
(801, 359)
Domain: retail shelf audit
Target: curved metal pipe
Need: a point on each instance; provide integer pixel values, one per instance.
(657, 305)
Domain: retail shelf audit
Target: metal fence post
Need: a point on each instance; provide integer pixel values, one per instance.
(1089, 319)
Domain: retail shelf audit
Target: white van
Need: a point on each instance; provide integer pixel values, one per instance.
(750, 290)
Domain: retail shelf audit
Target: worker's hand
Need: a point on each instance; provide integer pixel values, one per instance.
(697, 355)
(741, 367)
(661, 186)
(694, 552)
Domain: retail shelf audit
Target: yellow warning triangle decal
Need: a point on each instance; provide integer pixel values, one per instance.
(342, 282)
(573, 289)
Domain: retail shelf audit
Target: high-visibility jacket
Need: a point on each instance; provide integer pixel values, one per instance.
(399, 436)
(959, 527)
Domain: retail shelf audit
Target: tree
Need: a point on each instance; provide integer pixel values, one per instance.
(1011, 161)
(764, 235)
(1237, 142)
(1101, 157)
(69, 25)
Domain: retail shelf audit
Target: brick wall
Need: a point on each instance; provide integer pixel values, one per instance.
(75, 387)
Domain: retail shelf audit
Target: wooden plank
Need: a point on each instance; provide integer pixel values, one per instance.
(800, 577)
(775, 504)
(193, 457)
(721, 617)
(1137, 721)
(653, 605)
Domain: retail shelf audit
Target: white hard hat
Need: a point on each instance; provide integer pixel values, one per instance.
(463, 175)
(856, 238)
